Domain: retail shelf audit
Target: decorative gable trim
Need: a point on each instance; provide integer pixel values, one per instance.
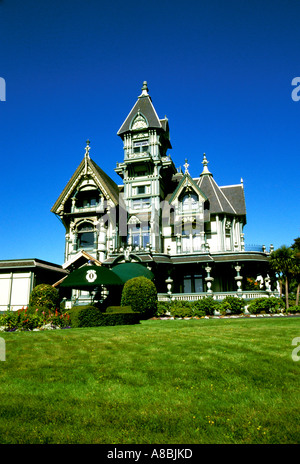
(87, 168)
(185, 182)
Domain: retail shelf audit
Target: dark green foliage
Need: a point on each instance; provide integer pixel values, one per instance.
(234, 304)
(140, 293)
(84, 316)
(294, 309)
(91, 316)
(119, 309)
(207, 305)
(120, 318)
(182, 311)
(44, 297)
(163, 308)
(266, 305)
(178, 308)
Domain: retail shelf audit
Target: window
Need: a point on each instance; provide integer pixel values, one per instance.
(189, 202)
(86, 236)
(140, 146)
(141, 189)
(145, 236)
(139, 235)
(141, 203)
(193, 283)
(191, 239)
(87, 198)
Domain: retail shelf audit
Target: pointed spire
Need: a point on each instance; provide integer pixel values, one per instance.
(144, 90)
(205, 168)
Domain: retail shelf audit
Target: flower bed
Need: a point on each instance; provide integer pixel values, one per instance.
(23, 319)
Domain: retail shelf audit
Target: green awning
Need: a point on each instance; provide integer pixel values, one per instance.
(127, 271)
(90, 276)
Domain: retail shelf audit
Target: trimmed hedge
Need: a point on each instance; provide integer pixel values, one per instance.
(140, 293)
(91, 316)
(119, 309)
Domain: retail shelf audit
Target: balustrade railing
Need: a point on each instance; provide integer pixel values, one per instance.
(248, 294)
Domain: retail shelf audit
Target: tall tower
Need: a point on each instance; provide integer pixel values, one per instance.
(146, 170)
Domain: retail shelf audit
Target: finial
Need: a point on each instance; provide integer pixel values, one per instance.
(186, 165)
(87, 148)
(205, 163)
(144, 89)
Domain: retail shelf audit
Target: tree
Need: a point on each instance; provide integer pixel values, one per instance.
(282, 261)
(296, 266)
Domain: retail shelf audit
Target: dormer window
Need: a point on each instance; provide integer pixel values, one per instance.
(87, 198)
(189, 202)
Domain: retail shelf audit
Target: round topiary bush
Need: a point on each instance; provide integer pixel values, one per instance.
(140, 293)
(44, 297)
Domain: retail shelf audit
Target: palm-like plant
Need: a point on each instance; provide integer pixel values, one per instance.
(282, 261)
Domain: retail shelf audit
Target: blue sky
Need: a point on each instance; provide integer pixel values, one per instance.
(220, 70)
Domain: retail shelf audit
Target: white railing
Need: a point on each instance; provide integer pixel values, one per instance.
(216, 295)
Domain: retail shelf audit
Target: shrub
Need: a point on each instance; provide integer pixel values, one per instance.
(182, 311)
(163, 308)
(91, 316)
(120, 318)
(84, 316)
(44, 297)
(206, 305)
(233, 304)
(140, 293)
(119, 309)
(266, 305)
(294, 309)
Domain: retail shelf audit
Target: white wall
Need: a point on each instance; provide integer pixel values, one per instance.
(15, 290)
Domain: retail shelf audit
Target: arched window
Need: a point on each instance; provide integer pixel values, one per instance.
(86, 235)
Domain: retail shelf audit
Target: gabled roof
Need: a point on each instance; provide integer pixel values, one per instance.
(187, 181)
(109, 188)
(228, 199)
(30, 263)
(217, 200)
(235, 195)
(81, 256)
(144, 107)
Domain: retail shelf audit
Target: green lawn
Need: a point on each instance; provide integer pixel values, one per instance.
(163, 382)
